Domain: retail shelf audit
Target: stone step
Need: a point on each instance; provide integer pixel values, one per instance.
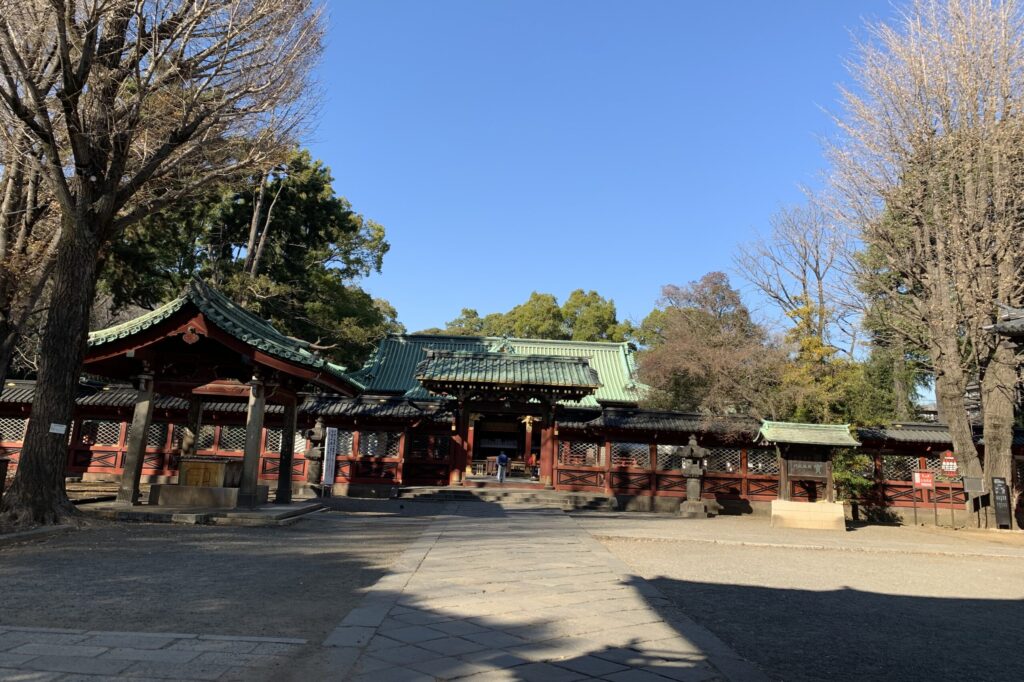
(563, 500)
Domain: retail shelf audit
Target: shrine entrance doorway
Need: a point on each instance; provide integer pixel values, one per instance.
(510, 434)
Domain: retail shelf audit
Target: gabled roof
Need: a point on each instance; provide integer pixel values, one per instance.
(230, 318)
(835, 435)
(504, 369)
(392, 368)
(907, 432)
(657, 421)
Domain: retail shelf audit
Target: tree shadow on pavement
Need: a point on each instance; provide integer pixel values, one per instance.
(851, 634)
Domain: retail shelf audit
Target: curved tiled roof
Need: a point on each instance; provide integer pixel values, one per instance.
(392, 367)
(835, 435)
(507, 369)
(230, 318)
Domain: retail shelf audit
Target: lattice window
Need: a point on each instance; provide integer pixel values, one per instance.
(762, 461)
(94, 432)
(274, 440)
(205, 439)
(670, 457)
(345, 439)
(156, 435)
(723, 459)
(379, 443)
(12, 430)
(631, 455)
(581, 453)
(232, 438)
(933, 464)
(899, 467)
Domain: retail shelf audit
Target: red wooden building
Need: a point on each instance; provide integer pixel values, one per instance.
(424, 411)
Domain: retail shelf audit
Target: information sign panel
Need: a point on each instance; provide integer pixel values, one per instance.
(1001, 501)
(924, 479)
(949, 465)
(974, 485)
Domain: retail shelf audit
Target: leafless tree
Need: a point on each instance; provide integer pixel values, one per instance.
(798, 266)
(929, 169)
(124, 107)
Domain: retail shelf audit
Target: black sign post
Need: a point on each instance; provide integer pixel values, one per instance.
(1001, 501)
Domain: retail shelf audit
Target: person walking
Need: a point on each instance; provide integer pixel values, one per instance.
(502, 466)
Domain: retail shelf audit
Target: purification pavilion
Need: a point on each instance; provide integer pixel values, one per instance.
(201, 377)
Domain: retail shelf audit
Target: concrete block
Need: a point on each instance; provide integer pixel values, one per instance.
(811, 515)
(200, 496)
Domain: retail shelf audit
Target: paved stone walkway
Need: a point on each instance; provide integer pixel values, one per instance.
(498, 593)
(42, 654)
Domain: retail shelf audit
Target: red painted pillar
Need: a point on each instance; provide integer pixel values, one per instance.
(547, 455)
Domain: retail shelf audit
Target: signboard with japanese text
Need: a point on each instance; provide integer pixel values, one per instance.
(924, 479)
(949, 465)
(1001, 501)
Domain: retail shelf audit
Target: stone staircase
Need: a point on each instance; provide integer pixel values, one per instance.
(558, 499)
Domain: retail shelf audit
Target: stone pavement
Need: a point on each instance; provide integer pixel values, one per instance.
(42, 654)
(496, 593)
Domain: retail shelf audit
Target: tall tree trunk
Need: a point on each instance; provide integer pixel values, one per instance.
(37, 494)
(950, 386)
(998, 393)
(900, 385)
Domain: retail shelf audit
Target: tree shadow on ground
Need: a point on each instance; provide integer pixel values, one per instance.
(851, 634)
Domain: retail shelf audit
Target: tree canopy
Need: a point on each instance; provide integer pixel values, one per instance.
(284, 245)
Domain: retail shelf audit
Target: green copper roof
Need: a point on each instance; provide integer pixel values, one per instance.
(392, 368)
(230, 318)
(504, 369)
(835, 435)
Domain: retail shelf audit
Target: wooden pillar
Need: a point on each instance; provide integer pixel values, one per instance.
(460, 448)
(830, 490)
(784, 492)
(128, 492)
(528, 445)
(287, 454)
(607, 444)
(652, 467)
(547, 455)
(247, 494)
(467, 461)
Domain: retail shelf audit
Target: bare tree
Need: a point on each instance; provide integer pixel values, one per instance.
(29, 231)
(127, 106)
(929, 168)
(798, 267)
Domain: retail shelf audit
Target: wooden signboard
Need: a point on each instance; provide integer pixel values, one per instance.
(1001, 501)
(800, 469)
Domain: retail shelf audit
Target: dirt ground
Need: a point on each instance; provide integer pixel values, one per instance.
(891, 603)
(295, 581)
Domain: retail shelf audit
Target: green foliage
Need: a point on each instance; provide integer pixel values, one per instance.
(704, 352)
(315, 250)
(851, 474)
(585, 316)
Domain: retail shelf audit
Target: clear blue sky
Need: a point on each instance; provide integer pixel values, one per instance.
(518, 145)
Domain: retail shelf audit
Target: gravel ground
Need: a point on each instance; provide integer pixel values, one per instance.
(829, 613)
(295, 581)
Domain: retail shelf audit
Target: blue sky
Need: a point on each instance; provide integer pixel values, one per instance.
(510, 146)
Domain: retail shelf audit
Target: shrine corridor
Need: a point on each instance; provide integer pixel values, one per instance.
(520, 594)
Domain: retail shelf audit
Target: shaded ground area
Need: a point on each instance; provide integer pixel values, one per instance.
(877, 603)
(293, 581)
